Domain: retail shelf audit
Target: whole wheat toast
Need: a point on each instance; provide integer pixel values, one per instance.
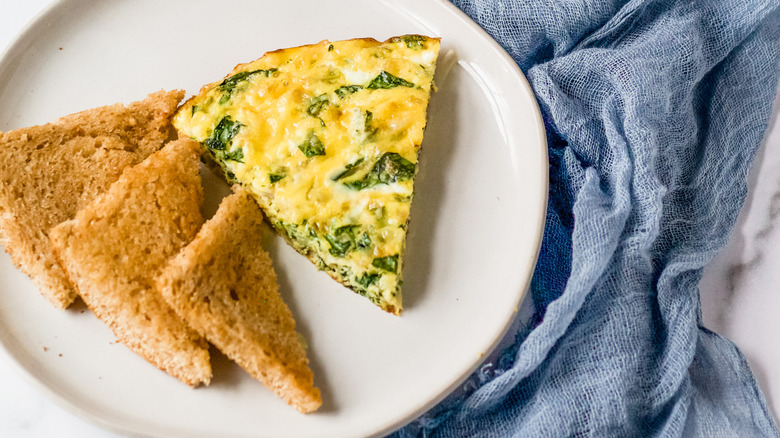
(113, 248)
(223, 284)
(49, 172)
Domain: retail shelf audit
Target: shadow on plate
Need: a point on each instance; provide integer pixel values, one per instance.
(430, 184)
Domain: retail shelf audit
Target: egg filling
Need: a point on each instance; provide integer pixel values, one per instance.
(326, 138)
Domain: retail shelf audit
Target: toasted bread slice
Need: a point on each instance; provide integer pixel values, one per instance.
(224, 286)
(49, 172)
(326, 137)
(114, 247)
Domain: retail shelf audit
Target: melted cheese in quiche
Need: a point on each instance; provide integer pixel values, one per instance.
(326, 137)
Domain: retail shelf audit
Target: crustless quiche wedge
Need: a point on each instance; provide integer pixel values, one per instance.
(326, 138)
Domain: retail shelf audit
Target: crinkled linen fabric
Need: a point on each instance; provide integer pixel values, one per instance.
(654, 111)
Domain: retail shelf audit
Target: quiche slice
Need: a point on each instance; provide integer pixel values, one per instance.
(326, 137)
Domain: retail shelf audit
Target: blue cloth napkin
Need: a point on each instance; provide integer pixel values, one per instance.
(654, 111)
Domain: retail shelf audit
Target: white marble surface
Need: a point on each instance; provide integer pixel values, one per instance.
(738, 288)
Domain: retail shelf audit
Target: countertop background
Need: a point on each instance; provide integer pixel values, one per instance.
(739, 291)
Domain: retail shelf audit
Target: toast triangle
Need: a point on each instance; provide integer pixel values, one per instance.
(49, 172)
(223, 284)
(114, 247)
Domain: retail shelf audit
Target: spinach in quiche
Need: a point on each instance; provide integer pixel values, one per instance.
(326, 137)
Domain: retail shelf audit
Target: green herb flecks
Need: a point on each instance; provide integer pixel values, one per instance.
(298, 235)
(386, 80)
(363, 241)
(316, 104)
(276, 177)
(389, 263)
(290, 230)
(307, 230)
(337, 248)
(234, 155)
(330, 48)
(414, 42)
(369, 127)
(229, 85)
(368, 279)
(346, 90)
(349, 170)
(343, 240)
(312, 146)
(391, 167)
(223, 134)
(219, 141)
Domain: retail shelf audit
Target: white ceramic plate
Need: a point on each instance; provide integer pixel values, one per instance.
(475, 231)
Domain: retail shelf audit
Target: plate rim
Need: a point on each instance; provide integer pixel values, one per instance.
(61, 400)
